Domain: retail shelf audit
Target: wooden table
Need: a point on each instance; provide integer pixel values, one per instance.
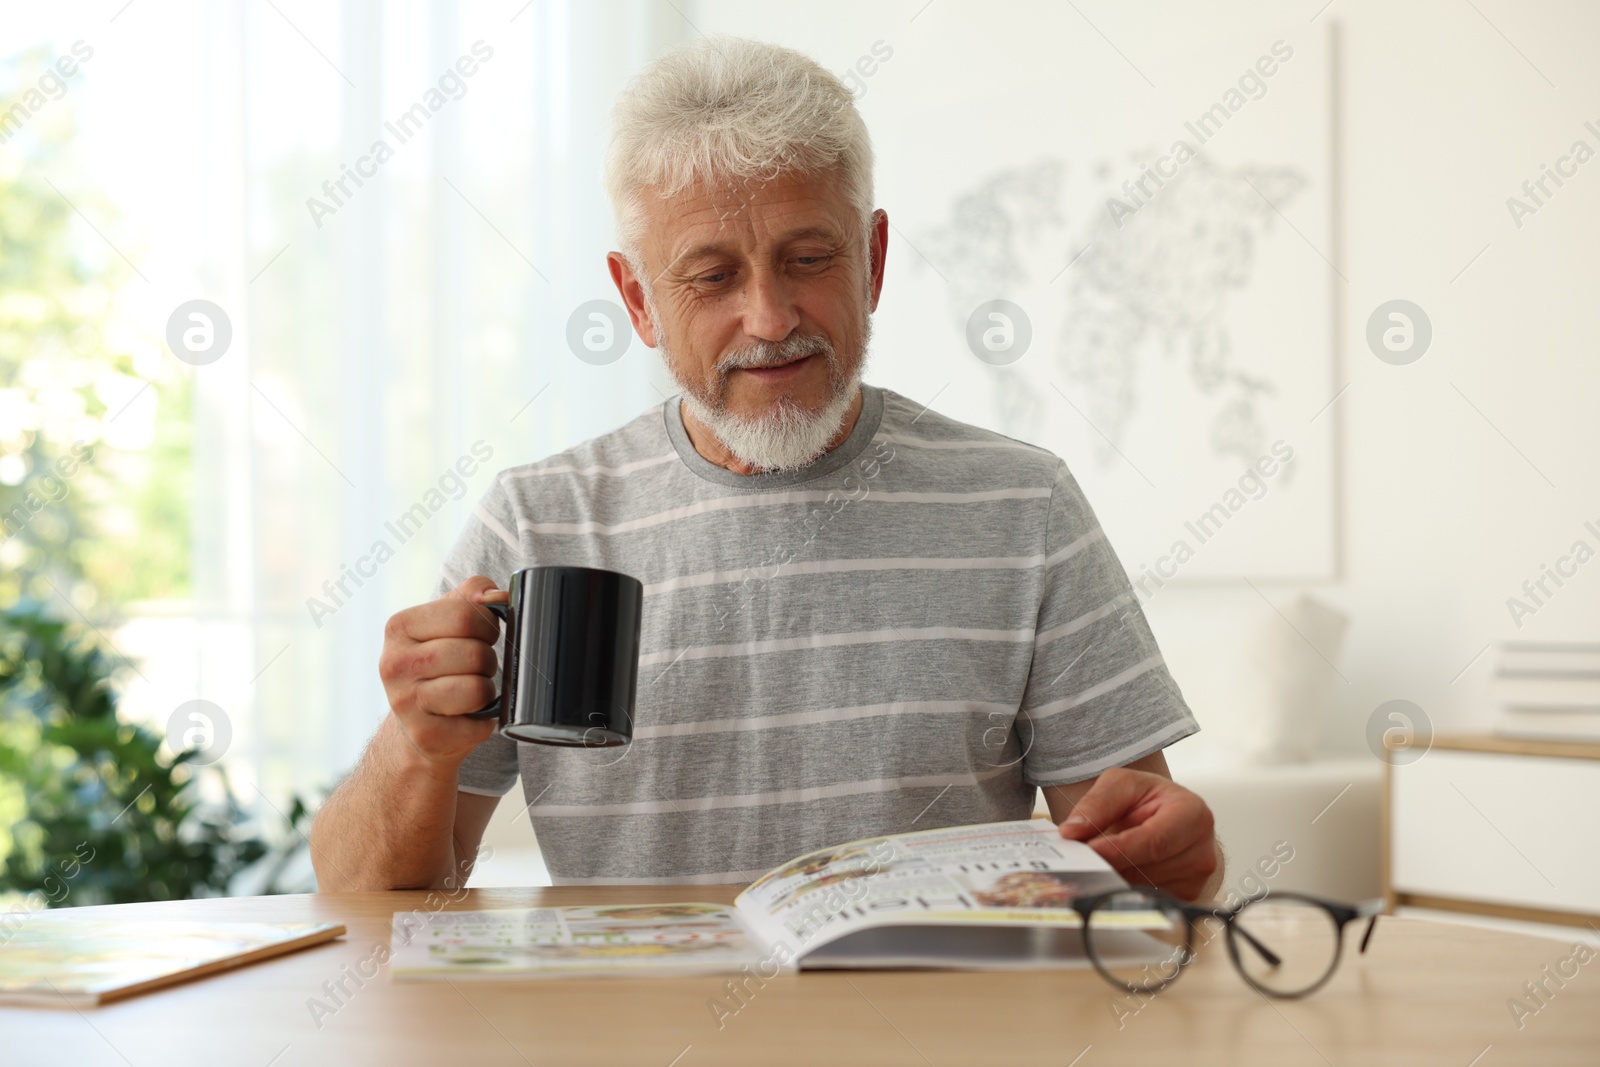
(1424, 994)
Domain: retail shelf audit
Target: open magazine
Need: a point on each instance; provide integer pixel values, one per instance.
(996, 895)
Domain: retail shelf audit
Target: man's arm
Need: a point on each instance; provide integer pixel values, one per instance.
(1150, 829)
(399, 821)
(396, 823)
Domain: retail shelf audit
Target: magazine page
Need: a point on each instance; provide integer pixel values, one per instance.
(1021, 874)
(613, 940)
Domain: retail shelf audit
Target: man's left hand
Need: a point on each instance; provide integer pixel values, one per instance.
(1152, 830)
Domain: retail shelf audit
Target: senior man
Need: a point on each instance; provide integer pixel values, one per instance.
(860, 617)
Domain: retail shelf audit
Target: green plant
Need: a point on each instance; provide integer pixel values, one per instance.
(104, 816)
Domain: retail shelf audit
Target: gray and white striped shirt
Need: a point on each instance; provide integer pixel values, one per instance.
(915, 631)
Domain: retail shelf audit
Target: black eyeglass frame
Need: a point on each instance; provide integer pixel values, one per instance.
(1341, 914)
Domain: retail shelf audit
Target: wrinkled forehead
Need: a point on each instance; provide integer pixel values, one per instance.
(744, 215)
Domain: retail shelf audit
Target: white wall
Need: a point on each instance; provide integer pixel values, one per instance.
(1446, 509)
(1444, 518)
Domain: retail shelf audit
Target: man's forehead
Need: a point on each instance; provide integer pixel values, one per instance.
(730, 215)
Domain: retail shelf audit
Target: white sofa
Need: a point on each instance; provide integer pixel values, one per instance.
(1335, 841)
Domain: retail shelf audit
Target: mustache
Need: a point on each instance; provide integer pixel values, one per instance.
(773, 353)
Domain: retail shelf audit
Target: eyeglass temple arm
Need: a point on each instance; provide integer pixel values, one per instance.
(1372, 909)
(1265, 952)
(1230, 916)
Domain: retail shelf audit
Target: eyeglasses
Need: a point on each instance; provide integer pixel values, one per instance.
(1283, 944)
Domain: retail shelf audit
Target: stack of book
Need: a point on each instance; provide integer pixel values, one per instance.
(1547, 690)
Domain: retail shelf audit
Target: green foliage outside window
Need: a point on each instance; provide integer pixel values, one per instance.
(108, 818)
(92, 518)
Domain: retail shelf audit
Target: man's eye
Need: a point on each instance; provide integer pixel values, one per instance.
(808, 261)
(713, 279)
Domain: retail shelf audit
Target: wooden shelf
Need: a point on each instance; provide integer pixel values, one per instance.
(1492, 910)
(1514, 746)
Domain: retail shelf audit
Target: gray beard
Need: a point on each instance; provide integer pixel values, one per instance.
(784, 438)
(787, 436)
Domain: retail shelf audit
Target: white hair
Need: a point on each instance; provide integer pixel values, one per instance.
(728, 108)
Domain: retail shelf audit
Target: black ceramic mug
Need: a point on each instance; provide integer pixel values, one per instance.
(571, 662)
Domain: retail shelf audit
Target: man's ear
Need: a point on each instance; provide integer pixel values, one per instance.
(878, 244)
(632, 292)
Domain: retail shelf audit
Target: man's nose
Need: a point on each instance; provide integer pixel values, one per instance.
(769, 311)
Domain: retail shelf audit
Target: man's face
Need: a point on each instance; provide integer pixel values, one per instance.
(759, 295)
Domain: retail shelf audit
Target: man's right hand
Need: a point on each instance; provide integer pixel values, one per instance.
(438, 664)
(400, 820)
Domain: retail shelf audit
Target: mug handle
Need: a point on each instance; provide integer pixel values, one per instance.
(491, 710)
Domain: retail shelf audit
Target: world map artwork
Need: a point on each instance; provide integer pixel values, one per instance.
(1121, 283)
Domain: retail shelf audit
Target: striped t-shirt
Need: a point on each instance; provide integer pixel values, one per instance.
(914, 631)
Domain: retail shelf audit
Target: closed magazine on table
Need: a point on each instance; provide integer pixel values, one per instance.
(60, 959)
(990, 896)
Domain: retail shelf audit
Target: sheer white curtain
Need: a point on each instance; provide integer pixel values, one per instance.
(390, 334)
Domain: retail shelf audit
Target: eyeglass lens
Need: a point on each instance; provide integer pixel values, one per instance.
(1285, 946)
(1137, 940)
